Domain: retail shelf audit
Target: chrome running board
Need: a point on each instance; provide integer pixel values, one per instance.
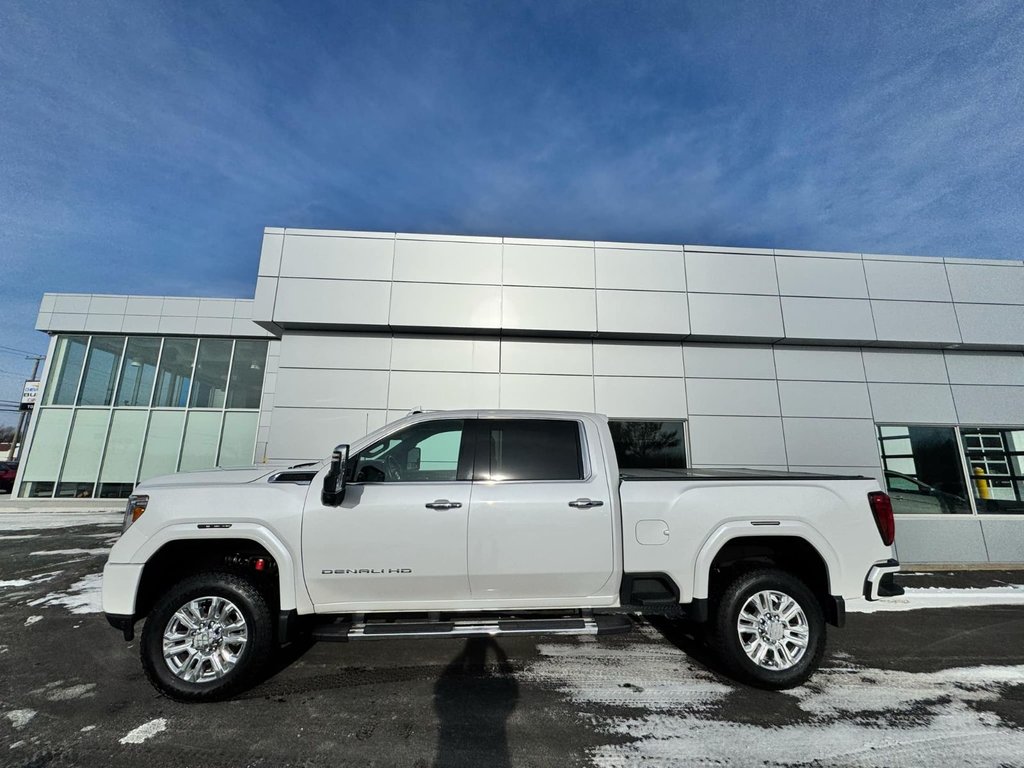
(373, 630)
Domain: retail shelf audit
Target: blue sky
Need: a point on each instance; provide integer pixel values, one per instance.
(145, 145)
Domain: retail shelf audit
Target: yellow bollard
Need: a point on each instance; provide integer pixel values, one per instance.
(984, 489)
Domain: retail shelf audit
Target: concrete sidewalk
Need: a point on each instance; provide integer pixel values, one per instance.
(8, 504)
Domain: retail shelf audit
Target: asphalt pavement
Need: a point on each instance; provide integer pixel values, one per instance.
(915, 687)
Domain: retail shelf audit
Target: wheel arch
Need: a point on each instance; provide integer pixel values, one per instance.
(177, 552)
(795, 548)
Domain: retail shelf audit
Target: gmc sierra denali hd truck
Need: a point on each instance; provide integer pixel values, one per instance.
(463, 523)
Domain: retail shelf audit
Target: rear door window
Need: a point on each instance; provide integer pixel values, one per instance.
(529, 449)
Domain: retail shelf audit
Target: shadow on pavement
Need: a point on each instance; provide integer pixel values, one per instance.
(689, 638)
(473, 703)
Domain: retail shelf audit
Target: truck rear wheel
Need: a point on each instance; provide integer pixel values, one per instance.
(208, 637)
(769, 629)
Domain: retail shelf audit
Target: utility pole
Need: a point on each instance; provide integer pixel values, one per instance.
(25, 415)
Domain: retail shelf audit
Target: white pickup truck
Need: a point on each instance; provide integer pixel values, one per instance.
(462, 523)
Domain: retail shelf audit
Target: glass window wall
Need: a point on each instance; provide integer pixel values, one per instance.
(923, 470)
(995, 458)
(175, 376)
(101, 369)
(953, 470)
(238, 440)
(66, 370)
(82, 460)
(119, 409)
(202, 435)
(211, 377)
(163, 444)
(124, 449)
(47, 451)
(138, 372)
(246, 388)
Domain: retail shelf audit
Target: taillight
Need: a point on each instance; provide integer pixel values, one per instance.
(881, 508)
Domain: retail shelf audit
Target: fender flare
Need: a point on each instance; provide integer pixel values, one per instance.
(252, 531)
(737, 529)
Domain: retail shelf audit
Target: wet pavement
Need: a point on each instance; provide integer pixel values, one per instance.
(916, 687)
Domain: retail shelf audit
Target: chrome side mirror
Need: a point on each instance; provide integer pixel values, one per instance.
(334, 481)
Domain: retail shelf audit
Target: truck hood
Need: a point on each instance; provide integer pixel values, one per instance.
(214, 477)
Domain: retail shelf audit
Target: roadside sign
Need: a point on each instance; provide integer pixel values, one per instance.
(29, 395)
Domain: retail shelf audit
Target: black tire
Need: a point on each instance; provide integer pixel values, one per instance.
(725, 638)
(252, 658)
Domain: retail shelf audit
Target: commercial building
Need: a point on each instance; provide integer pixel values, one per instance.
(907, 369)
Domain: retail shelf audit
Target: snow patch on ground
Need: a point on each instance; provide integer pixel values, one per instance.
(21, 536)
(72, 692)
(145, 731)
(56, 552)
(31, 579)
(32, 620)
(32, 521)
(15, 583)
(942, 597)
(86, 729)
(84, 596)
(665, 706)
(20, 717)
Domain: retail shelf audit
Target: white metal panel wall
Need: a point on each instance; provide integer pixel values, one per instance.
(355, 279)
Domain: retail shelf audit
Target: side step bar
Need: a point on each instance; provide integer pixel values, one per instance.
(341, 632)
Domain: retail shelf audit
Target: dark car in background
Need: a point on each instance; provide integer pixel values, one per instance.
(8, 469)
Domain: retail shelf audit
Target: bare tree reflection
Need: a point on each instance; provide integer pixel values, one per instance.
(645, 443)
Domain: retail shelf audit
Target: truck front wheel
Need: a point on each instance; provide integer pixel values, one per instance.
(769, 629)
(208, 637)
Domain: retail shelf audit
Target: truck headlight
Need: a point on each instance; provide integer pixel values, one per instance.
(132, 512)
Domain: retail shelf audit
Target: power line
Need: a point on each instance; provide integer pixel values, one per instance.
(15, 353)
(15, 349)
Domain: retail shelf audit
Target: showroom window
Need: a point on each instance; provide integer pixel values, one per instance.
(923, 470)
(138, 372)
(68, 356)
(118, 410)
(953, 470)
(649, 444)
(995, 458)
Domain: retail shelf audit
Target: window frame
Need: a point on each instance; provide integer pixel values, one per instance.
(463, 470)
(964, 468)
(683, 421)
(971, 478)
(482, 452)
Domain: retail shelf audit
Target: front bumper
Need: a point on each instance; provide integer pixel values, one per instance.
(880, 582)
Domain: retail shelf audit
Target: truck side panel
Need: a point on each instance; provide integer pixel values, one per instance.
(677, 527)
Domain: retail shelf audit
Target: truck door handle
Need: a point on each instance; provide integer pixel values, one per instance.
(585, 503)
(444, 504)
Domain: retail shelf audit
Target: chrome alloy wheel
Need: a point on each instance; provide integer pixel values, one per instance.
(204, 639)
(773, 630)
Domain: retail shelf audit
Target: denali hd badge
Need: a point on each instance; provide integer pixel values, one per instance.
(346, 571)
